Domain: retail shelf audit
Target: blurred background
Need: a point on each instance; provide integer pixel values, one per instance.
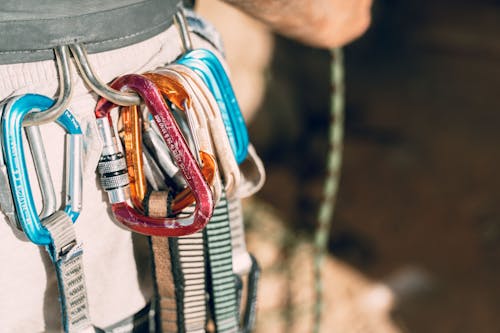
(415, 241)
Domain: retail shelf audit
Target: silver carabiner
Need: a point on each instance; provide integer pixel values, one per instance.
(65, 91)
(180, 20)
(102, 89)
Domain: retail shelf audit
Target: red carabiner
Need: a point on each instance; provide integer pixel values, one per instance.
(132, 140)
(113, 168)
(176, 93)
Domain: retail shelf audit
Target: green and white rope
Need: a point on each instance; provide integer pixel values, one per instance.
(330, 189)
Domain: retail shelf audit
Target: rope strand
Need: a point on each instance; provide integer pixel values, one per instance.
(334, 161)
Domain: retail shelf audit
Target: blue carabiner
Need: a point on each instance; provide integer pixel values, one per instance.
(14, 112)
(209, 68)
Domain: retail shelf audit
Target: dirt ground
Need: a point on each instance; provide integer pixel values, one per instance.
(415, 243)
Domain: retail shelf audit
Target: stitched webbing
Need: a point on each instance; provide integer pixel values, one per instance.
(190, 268)
(222, 286)
(241, 258)
(243, 263)
(167, 316)
(67, 257)
(180, 274)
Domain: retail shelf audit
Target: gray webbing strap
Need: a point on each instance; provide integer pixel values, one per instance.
(167, 307)
(180, 274)
(66, 254)
(243, 263)
(189, 251)
(241, 258)
(222, 284)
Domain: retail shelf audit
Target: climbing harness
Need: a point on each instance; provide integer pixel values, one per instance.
(179, 176)
(55, 231)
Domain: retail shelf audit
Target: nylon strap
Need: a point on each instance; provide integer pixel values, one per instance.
(249, 315)
(166, 316)
(241, 258)
(243, 263)
(189, 272)
(221, 282)
(66, 254)
(179, 273)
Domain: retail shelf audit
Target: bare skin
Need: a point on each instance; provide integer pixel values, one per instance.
(319, 23)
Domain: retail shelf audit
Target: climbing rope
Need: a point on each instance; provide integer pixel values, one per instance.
(334, 161)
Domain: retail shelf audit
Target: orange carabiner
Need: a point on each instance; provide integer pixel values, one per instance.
(132, 138)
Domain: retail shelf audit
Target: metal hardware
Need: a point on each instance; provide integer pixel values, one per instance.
(181, 22)
(212, 72)
(112, 166)
(135, 162)
(14, 112)
(227, 162)
(159, 151)
(65, 91)
(102, 89)
(42, 170)
(179, 92)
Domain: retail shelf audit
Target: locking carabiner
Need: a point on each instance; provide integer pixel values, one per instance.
(113, 169)
(14, 112)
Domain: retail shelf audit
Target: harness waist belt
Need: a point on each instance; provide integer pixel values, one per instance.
(30, 32)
